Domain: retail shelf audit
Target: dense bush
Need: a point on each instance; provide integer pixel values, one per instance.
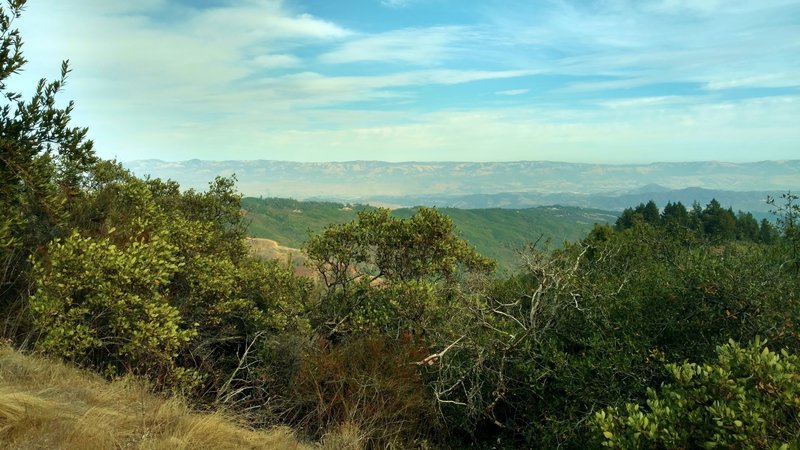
(151, 276)
(370, 382)
(748, 398)
(105, 306)
(592, 325)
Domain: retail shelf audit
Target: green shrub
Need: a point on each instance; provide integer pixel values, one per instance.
(106, 306)
(749, 398)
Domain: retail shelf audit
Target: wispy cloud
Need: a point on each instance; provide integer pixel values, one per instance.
(396, 3)
(772, 80)
(417, 46)
(303, 80)
(511, 92)
(311, 88)
(639, 102)
(278, 61)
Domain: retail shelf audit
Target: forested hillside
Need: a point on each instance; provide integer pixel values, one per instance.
(675, 328)
(497, 233)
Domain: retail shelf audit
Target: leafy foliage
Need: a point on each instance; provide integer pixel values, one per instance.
(155, 276)
(789, 222)
(533, 356)
(100, 304)
(379, 269)
(384, 247)
(748, 398)
(43, 162)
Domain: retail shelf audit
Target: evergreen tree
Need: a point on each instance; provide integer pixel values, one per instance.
(718, 224)
(675, 214)
(746, 227)
(767, 234)
(650, 213)
(626, 219)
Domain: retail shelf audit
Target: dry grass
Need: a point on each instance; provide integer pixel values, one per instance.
(46, 404)
(269, 249)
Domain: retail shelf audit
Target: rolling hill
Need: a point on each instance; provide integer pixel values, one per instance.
(496, 233)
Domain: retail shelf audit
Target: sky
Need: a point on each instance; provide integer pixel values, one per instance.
(605, 81)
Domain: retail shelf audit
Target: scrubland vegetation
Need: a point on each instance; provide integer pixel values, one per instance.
(674, 329)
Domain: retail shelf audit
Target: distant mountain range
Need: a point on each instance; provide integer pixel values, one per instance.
(494, 184)
(754, 201)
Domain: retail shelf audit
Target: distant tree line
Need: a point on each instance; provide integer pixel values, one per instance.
(713, 222)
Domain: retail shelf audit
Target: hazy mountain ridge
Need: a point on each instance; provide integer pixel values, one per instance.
(754, 201)
(357, 180)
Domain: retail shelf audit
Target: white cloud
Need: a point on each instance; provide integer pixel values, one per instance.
(192, 63)
(419, 46)
(654, 42)
(639, 102)
(198, 83)
(397, 3)
(512, 92)
(314, 89)
(278, 61)
(258, 22)
(759, 81)
(729, 131)
(677, 6)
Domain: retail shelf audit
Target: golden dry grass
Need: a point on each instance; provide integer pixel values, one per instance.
(269, 249)
(49, 405)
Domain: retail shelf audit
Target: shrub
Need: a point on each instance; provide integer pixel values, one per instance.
(369, 382)
(105, 306)
(749, 398)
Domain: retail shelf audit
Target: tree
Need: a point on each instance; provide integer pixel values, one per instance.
(718, 224)
(43, 163)
(359, 262)
(675, 215)
(627, 219)
(647, 213)
(650, 213)
(380, 246)
(767, 234)
(158, 282)
(789, 223)
(746, 227)
(107, 307)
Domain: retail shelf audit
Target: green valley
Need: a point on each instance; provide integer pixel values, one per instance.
(496, 233)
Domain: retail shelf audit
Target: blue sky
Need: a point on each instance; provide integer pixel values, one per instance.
(613, 81)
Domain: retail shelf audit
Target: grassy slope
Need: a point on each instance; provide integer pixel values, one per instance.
(45, 404)
(500, 233)
(496, 233)
(290, 221)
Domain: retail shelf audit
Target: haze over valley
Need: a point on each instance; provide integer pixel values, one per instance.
(518, 184)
